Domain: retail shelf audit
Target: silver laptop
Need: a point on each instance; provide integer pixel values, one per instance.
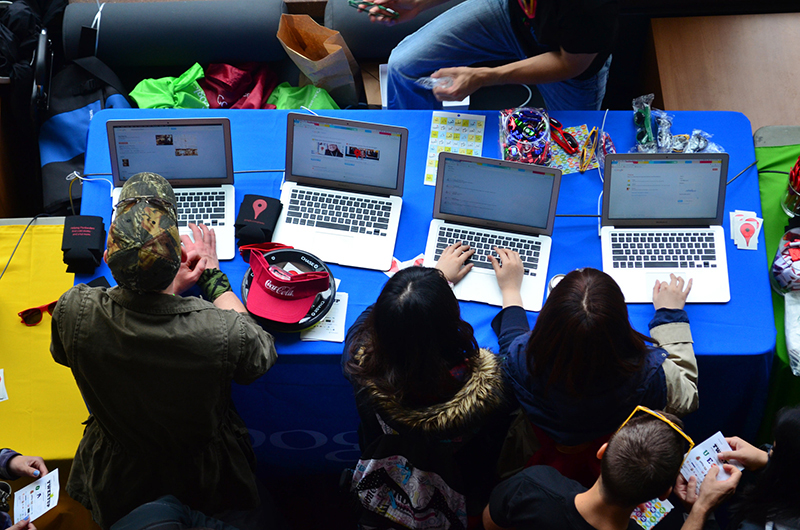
(194, 155)
(342, 189)
(662, 214)
(491, 203)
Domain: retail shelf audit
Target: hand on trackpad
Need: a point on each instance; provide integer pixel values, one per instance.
(651, 277)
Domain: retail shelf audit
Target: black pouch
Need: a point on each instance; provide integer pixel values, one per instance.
(257, 219)
(83, 243)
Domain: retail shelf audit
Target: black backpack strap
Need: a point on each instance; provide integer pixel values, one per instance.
(101, 71)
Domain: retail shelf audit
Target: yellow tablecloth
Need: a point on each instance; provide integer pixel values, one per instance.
(44, 410)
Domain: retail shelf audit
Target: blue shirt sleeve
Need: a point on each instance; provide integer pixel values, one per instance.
(668, 316)
(5, 456)
(509, 324)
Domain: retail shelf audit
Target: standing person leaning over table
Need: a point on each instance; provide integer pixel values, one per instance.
(155, 368)
(561, 46)
(583, 367)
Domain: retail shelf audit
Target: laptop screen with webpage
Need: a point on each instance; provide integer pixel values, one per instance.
(346, 154)
(669, 190)
(497, 194)
(187, 152)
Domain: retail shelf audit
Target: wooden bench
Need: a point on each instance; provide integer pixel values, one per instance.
(745, 63)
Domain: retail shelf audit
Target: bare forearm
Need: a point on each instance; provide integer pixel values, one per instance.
(230, 301)
(696, 519)
(511, 297)
(545, 68)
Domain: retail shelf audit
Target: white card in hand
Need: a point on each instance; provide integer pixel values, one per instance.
(37, 498)
(703, 457)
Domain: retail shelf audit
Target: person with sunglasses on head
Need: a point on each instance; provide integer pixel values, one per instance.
(640, 462)
(155, 368)
(432, 404)
(561, 46)
(13, 466)
(583, 366)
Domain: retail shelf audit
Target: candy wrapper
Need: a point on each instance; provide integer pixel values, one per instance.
(525, 135)
(785, 271)
(785, 279)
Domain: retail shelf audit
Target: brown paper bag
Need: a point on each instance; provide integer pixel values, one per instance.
(322, 56)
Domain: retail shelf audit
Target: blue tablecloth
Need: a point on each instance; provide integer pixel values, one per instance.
(302, 414)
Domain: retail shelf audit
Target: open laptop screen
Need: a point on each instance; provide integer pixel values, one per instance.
(346, 153)
(188, 151)
(665, 188)
(496, 193)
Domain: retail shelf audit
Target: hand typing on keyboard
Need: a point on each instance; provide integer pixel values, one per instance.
(452, 261)
(671, 295)
(509, 275)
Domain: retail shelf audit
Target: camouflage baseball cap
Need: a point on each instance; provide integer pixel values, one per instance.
(144, 249)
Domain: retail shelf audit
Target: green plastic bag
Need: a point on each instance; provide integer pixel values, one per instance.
(182, 92)
(285, 96)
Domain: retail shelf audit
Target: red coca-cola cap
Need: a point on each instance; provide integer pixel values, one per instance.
(278, 295)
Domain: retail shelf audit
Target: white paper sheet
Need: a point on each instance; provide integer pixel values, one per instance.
(331, 327)
(703, 456)
(37, 498)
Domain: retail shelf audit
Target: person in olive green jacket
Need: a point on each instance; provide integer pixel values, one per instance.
(155, 368)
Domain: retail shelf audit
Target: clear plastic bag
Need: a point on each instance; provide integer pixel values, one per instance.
(525, 135)
(645, 140)
(700, 142)
(664, 136)
(432, 82)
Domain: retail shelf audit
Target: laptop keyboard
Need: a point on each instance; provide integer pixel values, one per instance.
(206, 207)
(324, 209)
(692, 249)
(484, 243)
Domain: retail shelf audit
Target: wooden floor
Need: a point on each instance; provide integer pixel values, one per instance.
(746, 63)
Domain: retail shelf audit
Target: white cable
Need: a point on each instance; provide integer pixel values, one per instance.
(602, 144)
(599, 213)
(76, 175)
(96, 24)
(603, 126)
(308, 110)
(530, 95)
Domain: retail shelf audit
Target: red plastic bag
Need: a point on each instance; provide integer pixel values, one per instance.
(247, 86)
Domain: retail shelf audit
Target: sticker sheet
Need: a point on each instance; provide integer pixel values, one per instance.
(566, 163)
(653, 512)
(453, 132)
(745, 227)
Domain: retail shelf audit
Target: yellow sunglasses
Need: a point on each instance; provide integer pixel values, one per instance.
(588, 149)
(640, 408)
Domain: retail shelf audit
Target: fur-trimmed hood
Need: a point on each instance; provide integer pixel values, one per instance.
(483, 394)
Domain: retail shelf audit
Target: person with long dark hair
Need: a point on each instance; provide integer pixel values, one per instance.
(425, 394)
(772, 500)
(583, 368)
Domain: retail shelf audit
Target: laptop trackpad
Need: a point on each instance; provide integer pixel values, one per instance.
(651, 277)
